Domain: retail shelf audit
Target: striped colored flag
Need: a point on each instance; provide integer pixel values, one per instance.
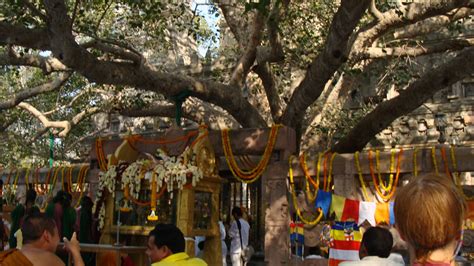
(345, 242)
(297, 237)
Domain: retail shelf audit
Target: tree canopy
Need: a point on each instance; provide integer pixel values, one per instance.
(297, 63)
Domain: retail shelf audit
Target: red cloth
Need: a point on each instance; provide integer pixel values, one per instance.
(351, 210)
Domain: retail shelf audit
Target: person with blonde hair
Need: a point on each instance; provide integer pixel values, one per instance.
(429, 213)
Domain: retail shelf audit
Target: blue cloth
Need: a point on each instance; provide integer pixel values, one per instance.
(392, 214)
(323, 201)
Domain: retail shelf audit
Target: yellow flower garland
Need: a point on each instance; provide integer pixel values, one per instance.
(387, 187)
(80, 183)
(308, 179)
(457, 175)
(433, 158)
(55, 177)
(252, 175)
(415, 167)
(295, 203)
(330, 172)
(361, 176)
(26, 176)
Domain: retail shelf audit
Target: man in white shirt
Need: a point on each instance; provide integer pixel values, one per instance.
(239, 233)
(374, 249)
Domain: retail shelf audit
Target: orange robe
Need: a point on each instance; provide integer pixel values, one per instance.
(14, 257)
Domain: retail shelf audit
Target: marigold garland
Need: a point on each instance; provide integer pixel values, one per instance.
(99, 149)
(253, 174)
(15, 181)
(387, 187)
(308, 179)
(433, 158)
(325, 170)
(361, 176)
(328, 188)
(80, 183)
(295, 203)
(458, 176)
(394, 187)
(415, 167)
(446, 164)
(55, 179)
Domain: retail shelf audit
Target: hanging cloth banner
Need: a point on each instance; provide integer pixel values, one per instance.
(345, 243)
(367, 212)
(382, 213)
(391, 213)
(351, 210)
(337, 206)
(323, 201)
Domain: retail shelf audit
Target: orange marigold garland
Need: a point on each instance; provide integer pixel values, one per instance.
(295, 202)
(253, 174)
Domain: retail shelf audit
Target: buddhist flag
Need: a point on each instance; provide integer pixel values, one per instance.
(367, 212)
(323, 201)
(297, 237)
(382, 213)
(392, 213)
(345, 242)
(351, 211)
(337, 205)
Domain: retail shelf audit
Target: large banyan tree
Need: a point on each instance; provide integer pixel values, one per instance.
(296, 63)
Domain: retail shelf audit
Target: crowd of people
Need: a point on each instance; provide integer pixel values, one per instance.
(429, 216)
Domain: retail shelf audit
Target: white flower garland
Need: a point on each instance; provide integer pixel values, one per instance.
(169, 169)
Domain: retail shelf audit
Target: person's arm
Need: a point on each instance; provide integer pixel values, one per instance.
(72, 246)
(234, 230)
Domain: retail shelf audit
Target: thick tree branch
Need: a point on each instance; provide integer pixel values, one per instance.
(73, 100)
(231, 18)
(115, 50)
(325, 64)
(431, 24)
(46, 64)
(422, 49)
(66, 125)
(274, 53)
(22, 36)
(414, 12)
(274, 100)
(35, 10)
(65, 48)
(374, 11)
(408, 100)
(17, 98)
(248, 58)
(193, 109)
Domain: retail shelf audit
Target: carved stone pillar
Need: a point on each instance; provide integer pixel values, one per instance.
(277, 219)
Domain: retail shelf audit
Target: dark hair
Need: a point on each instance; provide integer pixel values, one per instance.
(34, 226)
(30, 196)
(168, 235)
(237, 211)
(378, 241)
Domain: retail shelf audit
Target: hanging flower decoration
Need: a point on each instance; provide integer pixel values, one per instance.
(167, 172)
